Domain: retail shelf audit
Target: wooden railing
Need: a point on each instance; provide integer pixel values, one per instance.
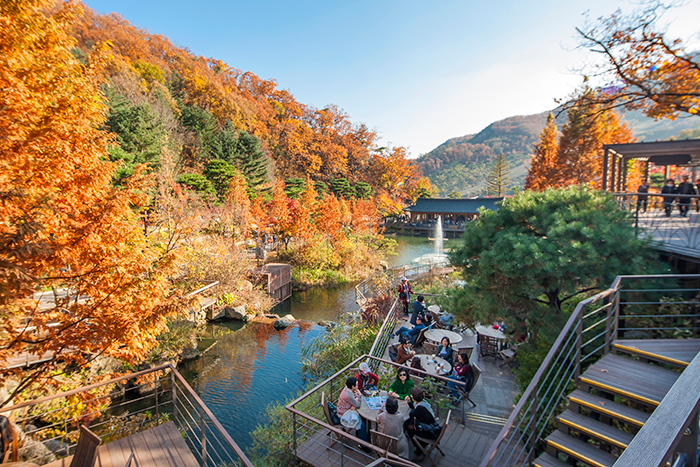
(120, 407)
(630, 305)
(203, 298)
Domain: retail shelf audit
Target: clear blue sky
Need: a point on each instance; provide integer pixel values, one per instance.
(418, 72)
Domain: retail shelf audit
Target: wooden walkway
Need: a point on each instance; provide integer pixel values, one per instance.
(162, 446)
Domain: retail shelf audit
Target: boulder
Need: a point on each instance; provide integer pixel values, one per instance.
(190, 353)
(283, 322)
(57, 447)
(237, 312)
(322, 323)
(34, 451)
(247, 286)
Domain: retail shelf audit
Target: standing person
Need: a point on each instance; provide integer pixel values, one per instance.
(420, 412)
(642, 199)
(404, 294)
(418, 310)
(391, 423)
(668, 189)
(697, 200)
(685, 188)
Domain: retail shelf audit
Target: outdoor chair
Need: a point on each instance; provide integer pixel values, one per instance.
(383, 441)
(393, 352)
(334, 436)
(508, 354)
(429, 348)
(420, 339)
(466, 392)
(467, 350)
(86, 451)
(489, 346)
(432, 444)
(436, 321)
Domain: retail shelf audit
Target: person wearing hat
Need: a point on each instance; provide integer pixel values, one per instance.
(366, 380)
(404, 294)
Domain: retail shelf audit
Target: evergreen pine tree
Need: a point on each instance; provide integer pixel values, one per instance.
(497, 179)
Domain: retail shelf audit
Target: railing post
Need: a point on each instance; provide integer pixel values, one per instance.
(608, 332)
(689, 442)
(204, 437)
(157, 386)
(294, 420)
(174, 391)
(616, 316)
(532, 440)
(579, 341)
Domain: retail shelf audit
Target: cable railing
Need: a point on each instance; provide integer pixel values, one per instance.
(649, 302)
(315, 439)
(384, 335)
(669, 220)
(48, 427)
(386, 281)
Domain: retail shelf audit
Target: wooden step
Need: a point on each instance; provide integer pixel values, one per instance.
(545, 460)
(607, 407)
(584, 452)
(679, 352)
(594, 428)
(630, 378)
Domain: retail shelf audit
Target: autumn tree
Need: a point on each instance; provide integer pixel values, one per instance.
(543, 165)
(644, 69)
(497, 178)
(64, 227)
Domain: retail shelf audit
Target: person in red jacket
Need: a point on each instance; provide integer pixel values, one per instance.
(404, 294)
(366, 380)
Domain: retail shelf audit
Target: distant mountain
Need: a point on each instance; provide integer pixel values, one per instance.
(461, 164)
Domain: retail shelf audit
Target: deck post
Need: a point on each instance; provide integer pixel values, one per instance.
(579, 338)
(533, 429)
(204, 437)
(605, 169)
(608, 331)
(616, 314)
(157, 386)
(294, 420)
(174, 387)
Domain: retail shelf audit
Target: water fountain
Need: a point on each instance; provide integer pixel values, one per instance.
(438, 258)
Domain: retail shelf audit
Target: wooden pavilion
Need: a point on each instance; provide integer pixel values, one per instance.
(426, 209)
(685, 153)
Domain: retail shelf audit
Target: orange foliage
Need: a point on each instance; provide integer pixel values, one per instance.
(63, 224)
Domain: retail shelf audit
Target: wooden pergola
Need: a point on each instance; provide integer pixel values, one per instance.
(685, 153)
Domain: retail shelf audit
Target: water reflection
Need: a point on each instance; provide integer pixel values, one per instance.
(247, 367)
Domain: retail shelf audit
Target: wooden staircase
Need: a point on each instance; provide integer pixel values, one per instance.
(616, 396)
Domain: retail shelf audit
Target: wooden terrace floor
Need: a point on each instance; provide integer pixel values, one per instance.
(162, 446)
(463, 445)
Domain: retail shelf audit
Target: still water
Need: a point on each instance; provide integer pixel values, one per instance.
(247, 367)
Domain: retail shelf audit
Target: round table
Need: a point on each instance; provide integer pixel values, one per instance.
(434, 308)
(436, 335)
(489, 331)
(371, 415)
(435, 365)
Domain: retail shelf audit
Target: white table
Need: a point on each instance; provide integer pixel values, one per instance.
(436, 335)
(434, 308)
(490, 331)
(435, 365)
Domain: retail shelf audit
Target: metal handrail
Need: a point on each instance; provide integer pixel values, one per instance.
(529, 403)
(202, 289)
(385, 330)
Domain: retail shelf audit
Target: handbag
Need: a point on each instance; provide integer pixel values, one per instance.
(333, 411)
(432, 430)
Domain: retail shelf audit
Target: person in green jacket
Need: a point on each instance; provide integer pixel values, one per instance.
(402, 385)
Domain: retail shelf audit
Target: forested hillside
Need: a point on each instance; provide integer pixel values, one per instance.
(214, 119)
(461, 164)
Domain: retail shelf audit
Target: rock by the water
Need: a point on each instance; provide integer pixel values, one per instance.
(190, 353)
(322, 323)
(284, 322)
(57, 447)
(237, 312)
(330, 325)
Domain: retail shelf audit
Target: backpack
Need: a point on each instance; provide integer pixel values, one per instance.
(333, 410)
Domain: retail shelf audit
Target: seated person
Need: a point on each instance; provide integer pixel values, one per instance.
(402, 385)
(405, 353)
(418, 309)
(390, 423)
(349, 399)
(366, 380)
(447, 319)
(462, 372)
(445, 350)
(416, 364)
(420, 412)
(414, 332)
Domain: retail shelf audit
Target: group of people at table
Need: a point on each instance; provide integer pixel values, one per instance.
(417, 412)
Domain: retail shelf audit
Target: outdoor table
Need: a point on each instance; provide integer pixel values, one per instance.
(436, 335)
(490, 331)
(430, 365)
(371, 414)
(434, 308)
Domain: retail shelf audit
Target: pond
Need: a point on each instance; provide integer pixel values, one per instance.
(248, 366)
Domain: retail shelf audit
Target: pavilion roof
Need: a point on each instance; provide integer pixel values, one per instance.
(682, 152)
(449, 205)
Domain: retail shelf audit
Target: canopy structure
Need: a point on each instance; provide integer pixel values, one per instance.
(685, 153)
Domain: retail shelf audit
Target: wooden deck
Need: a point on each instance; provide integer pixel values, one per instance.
(162, 446)
(463, 445)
